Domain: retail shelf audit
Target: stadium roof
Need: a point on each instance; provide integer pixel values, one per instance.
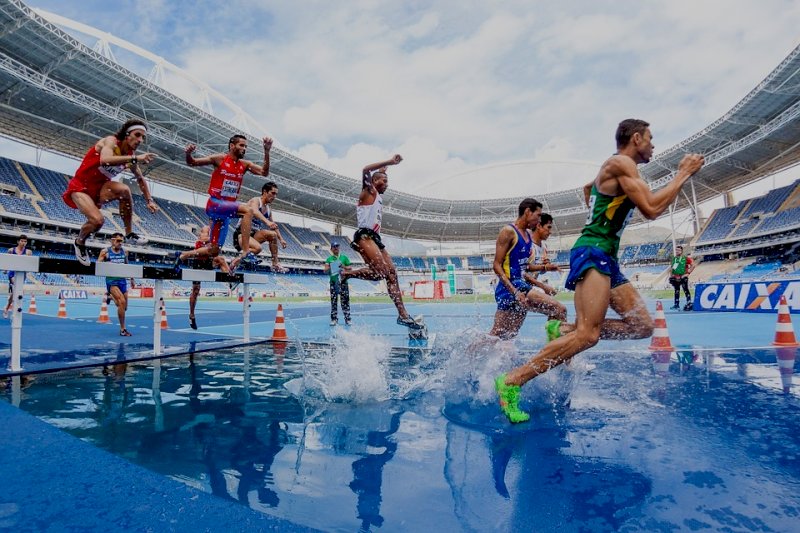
(60, 95)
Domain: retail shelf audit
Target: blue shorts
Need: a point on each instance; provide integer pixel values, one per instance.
(121, 284)
(220, 211)
(505, 300)
(583, 258)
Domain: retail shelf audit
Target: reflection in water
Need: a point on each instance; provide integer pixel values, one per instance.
(368, 473)
(641, 444)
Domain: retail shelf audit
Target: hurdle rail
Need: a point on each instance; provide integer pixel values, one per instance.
(23, 264)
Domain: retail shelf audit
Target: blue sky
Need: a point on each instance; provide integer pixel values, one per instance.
(456, 86)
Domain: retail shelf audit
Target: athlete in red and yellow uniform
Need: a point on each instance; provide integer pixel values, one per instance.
(94, 185)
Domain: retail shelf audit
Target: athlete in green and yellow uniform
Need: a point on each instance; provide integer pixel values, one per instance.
(594, 271)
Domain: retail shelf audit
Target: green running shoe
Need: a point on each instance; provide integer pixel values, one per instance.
(509, 400)
(553, 329)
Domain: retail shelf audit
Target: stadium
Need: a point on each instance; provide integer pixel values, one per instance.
(59, 96)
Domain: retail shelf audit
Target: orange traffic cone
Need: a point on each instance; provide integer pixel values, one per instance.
(103, 318)
(62, 308)
(784, 331)
(660, 340)
(32, 308)
(164, 324)
(279, 333)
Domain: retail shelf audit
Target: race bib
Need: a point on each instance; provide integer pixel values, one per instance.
(230, 188)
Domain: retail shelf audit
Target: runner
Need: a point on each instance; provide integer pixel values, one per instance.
(19, 249)
(117, 287)
(263, 228)
(203, 261)
(594, 271)
(223, 191)
(367, 238)
(93, 185)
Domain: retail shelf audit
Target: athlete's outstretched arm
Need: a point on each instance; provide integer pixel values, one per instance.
(587, 191)
(369, 169)
(262, 170)
(214, 159)
(653, 204)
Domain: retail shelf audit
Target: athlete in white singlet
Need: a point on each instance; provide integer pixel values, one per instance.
(367, 238)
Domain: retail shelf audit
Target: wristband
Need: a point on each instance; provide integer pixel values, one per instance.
(134, 160)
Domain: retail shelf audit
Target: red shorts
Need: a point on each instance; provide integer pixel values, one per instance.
(77, 185)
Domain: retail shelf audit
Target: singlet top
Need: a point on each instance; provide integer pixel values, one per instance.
(538, 255)
(678, 266)
(369, 216)
(256, 223)
(92, 171)
(226, 180)
(13, 251)
(608, 216)
(516, 259)
(115, 257)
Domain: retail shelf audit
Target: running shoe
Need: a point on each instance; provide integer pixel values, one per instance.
(81, 253)
(125, 333)
(675, 307)
(135, 238)
(5, 313)
(251, 259)
(689, 306)
(192, 322)
(334, 322)
(347, 322)
(409, 322)
(509, 400)
(553, 329)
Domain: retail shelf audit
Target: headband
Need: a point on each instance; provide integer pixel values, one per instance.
(136, 127)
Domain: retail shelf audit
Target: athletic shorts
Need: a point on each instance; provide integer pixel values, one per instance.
(77, 185)
(219, 212)
(362, 233)
(505, 300)
(238, 233)
(122, 284)
(583, 258)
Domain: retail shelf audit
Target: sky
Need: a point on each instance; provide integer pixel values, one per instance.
(481, 98)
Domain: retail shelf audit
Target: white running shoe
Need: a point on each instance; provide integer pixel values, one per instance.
(135, 238)
(82, 254)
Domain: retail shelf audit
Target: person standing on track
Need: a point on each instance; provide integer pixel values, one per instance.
(20, 249)
(680, 268)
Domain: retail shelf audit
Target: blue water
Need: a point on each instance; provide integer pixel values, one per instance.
(362, 435)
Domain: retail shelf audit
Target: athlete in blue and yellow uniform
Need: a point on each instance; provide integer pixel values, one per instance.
(594, 270)
(511, 256)
(117, 287)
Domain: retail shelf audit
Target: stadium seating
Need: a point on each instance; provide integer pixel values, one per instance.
(9, 175)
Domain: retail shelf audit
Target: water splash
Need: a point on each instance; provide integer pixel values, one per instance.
(352, 368)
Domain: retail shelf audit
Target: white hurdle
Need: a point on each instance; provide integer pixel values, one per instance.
(22, 264)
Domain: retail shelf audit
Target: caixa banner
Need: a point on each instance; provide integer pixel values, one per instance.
(754, 296)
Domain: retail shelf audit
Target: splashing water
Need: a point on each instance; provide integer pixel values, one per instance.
(351, 369)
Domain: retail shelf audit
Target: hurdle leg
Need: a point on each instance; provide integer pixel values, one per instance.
(18, 289)
(158, 301)
(246, 310)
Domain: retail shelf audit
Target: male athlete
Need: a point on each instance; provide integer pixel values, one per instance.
(223, 192)
(263, 228)
(542, 298)
(367, 238)
(205, 262)
(594, 271)
(19, 249)
(93, 185)
(511, 256)
(117, 287)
